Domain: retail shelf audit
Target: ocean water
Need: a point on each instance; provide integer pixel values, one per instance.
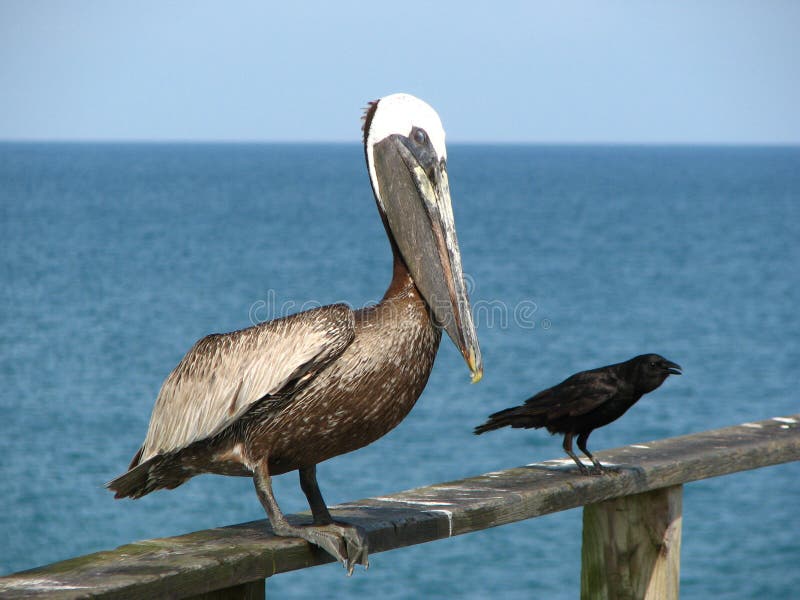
(117, 258)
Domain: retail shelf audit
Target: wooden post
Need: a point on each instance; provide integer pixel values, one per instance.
(631, 547)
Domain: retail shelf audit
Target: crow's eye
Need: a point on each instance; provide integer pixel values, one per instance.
(419, 136)
(652, 364)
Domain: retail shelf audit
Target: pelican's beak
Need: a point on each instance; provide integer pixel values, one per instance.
(414, 195)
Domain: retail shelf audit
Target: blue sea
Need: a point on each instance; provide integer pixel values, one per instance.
(117, 258)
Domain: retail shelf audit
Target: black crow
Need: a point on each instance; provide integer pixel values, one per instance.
(587, 400)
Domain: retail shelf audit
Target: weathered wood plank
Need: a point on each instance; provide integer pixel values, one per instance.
(247, 591)
(631, 547)
(214, 559)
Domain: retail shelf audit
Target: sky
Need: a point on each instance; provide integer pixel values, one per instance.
(725, 72)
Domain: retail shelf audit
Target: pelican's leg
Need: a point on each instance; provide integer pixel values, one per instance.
(328, 537)
(355, 538)
(310, 487)
(582, 439)
(568, 449)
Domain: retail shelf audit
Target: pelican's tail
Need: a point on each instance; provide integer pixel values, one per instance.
(158, 472)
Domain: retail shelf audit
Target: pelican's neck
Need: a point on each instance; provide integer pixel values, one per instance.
(401, 278)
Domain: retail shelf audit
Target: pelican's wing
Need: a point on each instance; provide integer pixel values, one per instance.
(224, 374)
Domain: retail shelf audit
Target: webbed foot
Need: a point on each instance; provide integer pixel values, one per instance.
(345, 542)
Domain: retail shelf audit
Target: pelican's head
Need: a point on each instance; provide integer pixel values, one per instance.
(407, 161)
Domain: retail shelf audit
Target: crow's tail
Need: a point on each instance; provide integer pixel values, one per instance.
(517, 416)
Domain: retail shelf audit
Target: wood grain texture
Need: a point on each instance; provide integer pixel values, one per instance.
(631, 547)
(254, 590)
(214, 559)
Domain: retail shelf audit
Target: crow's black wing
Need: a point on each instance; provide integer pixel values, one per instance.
(576, 395)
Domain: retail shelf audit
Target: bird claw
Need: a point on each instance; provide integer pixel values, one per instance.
(595, 470)
(584, 470)
(353, 540)
(347, 543)
(598, 470)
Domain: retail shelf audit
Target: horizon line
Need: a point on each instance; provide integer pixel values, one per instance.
(244, 142)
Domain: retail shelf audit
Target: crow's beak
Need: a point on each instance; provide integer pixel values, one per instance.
(672, 368)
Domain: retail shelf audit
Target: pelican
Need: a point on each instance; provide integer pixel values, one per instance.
(289, 393)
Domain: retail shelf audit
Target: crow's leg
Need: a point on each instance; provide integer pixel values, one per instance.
(568, 449)
(346, 543)
(582, 439)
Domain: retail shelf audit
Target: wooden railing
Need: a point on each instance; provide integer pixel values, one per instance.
(631, 524)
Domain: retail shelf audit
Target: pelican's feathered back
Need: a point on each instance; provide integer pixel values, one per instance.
(225, 374)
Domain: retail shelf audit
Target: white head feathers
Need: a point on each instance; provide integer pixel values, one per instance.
(398, 114)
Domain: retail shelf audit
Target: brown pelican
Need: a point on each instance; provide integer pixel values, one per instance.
(290, 393)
